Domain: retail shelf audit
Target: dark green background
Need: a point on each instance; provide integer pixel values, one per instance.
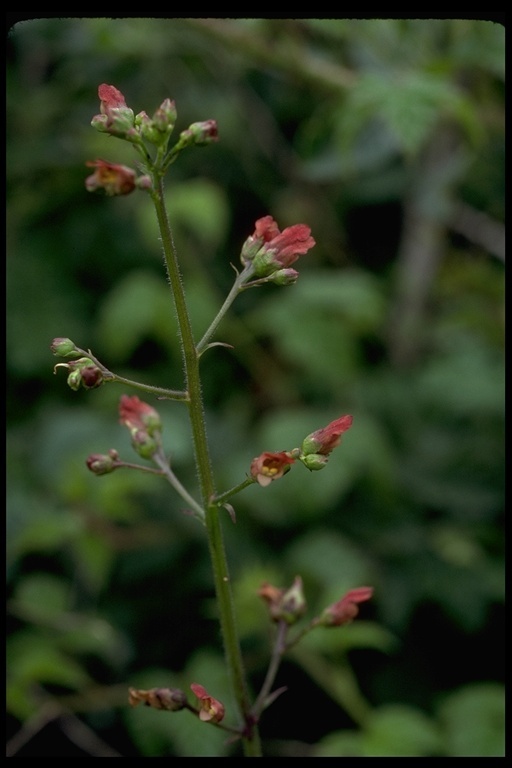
(387, 138)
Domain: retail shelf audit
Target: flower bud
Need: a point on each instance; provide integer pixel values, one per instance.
(144, 444)
(63, 347)
(102, 464)
(74, 380)
(314, 461)
(165, 117)
(324, 440)
(82, 372)
(346, 609)
(92, 377)
(144, 182)
(136, 414)
(284, 277)
(116, 117)
(284, 604)
(204, 132)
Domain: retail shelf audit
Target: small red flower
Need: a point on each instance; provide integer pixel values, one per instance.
(211, 709)
(346, 609)
(137, 415)
(289, 244)
(111, 178)
(270, 466)
(324, 440)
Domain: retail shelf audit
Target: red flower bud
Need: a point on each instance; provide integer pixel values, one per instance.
(346, 609)
(137, 415)
(324, 440)
(116, 117)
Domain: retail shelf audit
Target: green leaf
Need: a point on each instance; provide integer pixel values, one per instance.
(398, 730)
(474, 721)
(139, 306)
(41, 597)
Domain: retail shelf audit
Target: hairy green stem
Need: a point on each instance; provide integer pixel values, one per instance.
(250, 736)
(162, 392)
(235, 290)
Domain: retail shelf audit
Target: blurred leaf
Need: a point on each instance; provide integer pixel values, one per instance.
(473, 719)
(339, 744)
(139, 305)
(397, 730)
(41, 597)
(33, 659)
(329, 558)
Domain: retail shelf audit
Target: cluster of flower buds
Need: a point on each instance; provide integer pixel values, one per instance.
(286, 605)
(158, 129)
(314, 453)
(117, 119)
(82, 373)
(271, 252)
(144, 424)
(169, 699)
(289, 605)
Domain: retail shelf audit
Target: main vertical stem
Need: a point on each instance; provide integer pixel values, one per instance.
(251, 741)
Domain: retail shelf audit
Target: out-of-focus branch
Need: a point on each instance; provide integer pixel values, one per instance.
(427, 210)
(294, 61)
(479, 228)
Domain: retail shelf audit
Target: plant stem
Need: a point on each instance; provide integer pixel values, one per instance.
(235, 290)
(165, 469)
(220, 498)
(275, 661)
(250, 738)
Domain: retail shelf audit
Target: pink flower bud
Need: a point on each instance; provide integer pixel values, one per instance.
(284, 277)
(324, 440)
(210, 709)
(101, 464)
(135, 414)
(346, 609)
(202, 133)
(116, 117)
(63, 347)
(270, 466)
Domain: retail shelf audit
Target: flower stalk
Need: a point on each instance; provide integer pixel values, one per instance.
(251, 742)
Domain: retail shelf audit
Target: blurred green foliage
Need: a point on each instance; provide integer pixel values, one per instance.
(387, 138)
